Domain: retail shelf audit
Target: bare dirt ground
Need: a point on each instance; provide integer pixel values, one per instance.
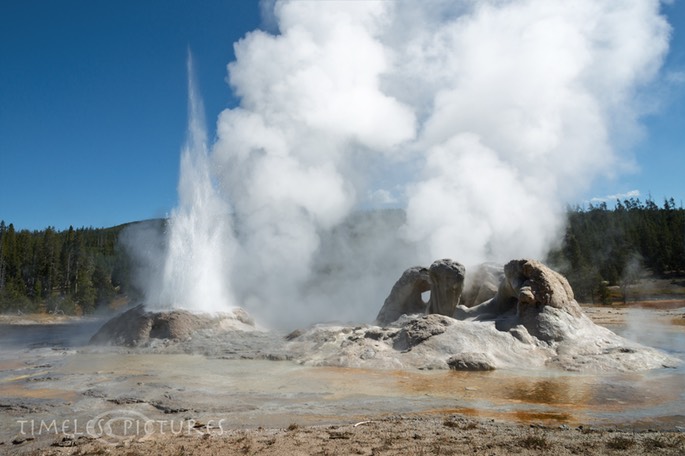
(669, 311)
(407, 435)
(426, 426)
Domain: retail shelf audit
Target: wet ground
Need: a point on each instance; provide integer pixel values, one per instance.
(52, 383)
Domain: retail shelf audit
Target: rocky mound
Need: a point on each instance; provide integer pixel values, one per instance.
(137, 327)
(532, 321)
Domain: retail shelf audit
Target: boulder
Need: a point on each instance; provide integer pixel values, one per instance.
(471, 362)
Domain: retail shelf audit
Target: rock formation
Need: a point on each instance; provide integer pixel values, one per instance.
(137, 327)
(527, 296)
(405, 296)
(532, 321)
(445, 281)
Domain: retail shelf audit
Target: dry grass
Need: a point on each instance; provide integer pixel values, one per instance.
(664, 442)
(620, 443)
(534, 442)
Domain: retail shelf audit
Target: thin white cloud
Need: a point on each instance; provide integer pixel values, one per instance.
(675, 77)
(616, 196)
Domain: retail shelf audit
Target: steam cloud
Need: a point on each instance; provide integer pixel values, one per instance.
(480, 118)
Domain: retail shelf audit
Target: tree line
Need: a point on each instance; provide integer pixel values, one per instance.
(78, 271)
(73, 271)
(605, 247)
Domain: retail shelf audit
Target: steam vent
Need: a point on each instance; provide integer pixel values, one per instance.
(522, 315)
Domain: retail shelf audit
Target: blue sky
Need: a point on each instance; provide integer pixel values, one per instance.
(660, 154)
(93, 103)
(93, 107)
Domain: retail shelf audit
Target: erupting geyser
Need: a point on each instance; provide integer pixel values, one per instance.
(481, 119)
(195, 272)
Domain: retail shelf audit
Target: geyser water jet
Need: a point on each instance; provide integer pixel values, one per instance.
(195, 272)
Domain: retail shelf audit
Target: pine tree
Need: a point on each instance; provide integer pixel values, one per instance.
(3, 267)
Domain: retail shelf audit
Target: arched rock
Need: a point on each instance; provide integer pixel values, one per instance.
(445, 281)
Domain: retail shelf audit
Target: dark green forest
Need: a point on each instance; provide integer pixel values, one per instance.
(605, 247)
(74, 271)
(81, 271)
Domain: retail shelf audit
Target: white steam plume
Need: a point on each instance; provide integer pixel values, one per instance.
(312, 105)
(526, 98)
(481, 118)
